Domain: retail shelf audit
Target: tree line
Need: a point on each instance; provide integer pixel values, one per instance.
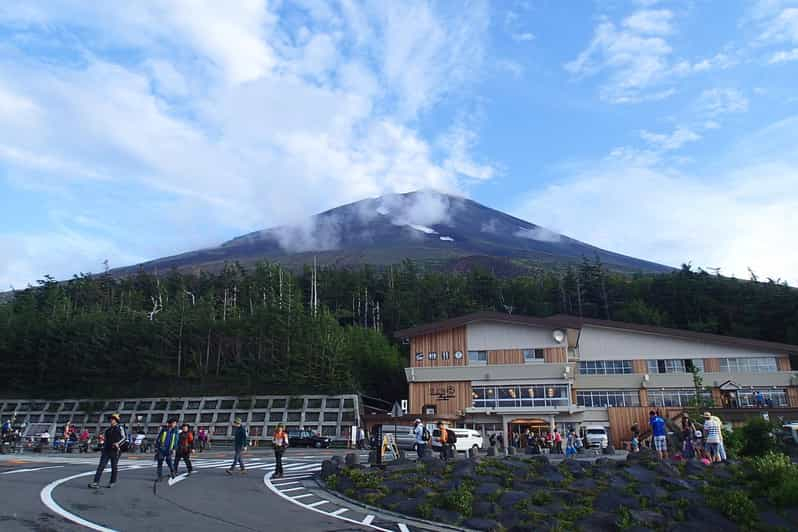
(267, 330)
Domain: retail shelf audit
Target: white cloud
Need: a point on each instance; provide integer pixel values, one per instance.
(636, 62)
(724, 220)
(673, 141)
(784, 56)
(233, 119)
(524, 36)
(652, 21)
(513, 67)
(714, 102)
(538, 233)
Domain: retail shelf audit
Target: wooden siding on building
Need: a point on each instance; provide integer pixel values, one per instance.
(449, 398)
(506, 356)
(783, 363)
(711, 365)
(555, 355)
(639, 366)
(717, 397)
(622, 418)
(643, 397)
(450, 340)
(792, 396)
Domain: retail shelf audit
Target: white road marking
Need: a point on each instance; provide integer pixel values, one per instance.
(292, 489)
(29, 470)
(46, 497)
(368, 519)
(318, 503)
(403, 527)
(294, 500)
(302, 467)
(339, 511)
(178, 478)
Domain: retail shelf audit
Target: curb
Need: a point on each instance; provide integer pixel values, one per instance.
(422, 524)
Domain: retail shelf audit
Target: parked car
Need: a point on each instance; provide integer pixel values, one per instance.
(596, 436)
(307, 438)
(403, 436)
(466, 439)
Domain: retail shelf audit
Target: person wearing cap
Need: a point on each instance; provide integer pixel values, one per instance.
(280, 444)
(114, 436)
(418, 432)
(239, 444)
(165, 446)
(712, 437)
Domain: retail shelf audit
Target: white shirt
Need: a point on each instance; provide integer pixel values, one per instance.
(419, 432)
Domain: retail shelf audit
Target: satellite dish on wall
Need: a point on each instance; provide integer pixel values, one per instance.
(558, 336)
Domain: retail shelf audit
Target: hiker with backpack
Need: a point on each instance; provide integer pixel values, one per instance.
(447, 438)
(422, 437)
(113, 446)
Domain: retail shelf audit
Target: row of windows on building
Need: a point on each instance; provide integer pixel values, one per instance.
(523, 395)
(295, 403)
(671, 397)
(530, 356)
(679, 365)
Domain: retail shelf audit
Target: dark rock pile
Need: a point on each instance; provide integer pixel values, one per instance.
(530, 493)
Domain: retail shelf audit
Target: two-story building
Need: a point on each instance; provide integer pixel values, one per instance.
(498, 372)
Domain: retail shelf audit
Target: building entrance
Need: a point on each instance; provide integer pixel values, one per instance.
(519, 429)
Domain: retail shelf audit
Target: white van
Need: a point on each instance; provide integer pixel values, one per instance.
(596, 436)
(466, 439)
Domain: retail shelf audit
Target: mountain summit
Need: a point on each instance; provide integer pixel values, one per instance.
(445, 231)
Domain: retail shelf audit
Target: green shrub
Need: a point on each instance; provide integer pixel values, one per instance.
(332, 482)
(541, 498)
(775, 475)
(364, 479)
(757, 437)
(624, 518)
(734, 504)
(459, 500)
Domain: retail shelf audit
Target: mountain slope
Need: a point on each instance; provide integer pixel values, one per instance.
(446, 231)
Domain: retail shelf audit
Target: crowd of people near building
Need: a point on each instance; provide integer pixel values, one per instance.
(702, 440)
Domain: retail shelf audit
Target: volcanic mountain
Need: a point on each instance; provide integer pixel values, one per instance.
(440, 230)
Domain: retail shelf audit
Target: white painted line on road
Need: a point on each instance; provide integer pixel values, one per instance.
(293, 500)
(368, 519)
(178, 478)
(318, 503)
(303, 496)
(292, 489)
(339, 511)
(403, 527)
(302, 467)
(46, 497)
(29, 470)
(286, 483)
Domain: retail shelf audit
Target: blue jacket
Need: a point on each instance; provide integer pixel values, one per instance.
(240, 437)
(167, 440)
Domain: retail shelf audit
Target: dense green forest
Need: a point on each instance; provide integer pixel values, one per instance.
(262, 330)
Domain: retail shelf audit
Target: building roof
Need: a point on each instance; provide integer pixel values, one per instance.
(565, 321)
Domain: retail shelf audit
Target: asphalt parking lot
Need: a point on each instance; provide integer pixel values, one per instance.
(49, 492)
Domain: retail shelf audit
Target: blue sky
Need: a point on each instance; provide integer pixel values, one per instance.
(664, 130)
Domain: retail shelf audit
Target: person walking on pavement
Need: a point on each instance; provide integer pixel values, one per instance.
(185, 446)
(165, 445)
(280, 444)
(421, 435)
(445, 439)
(114, 436)
(240, 443)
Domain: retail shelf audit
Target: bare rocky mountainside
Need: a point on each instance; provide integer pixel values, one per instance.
(443, 231)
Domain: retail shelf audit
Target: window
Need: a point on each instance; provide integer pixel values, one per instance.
(227, 404)
(276, 416)
(220, 430)
(261, 403)
(211, 405)
(605, 367)
(671, 365)
(676, 397)
(332, 403)
(258, 417)
(523, 395)
(296, 403)
(534, 355)
(314, 403)
(145, 405)
(160, 405)
(193, 405)
(223, 417)
(294, 416)
(749, 365)
(129, 405)
(330, 417)
(477, 358)
(605, 398)
(206, 417)
(278, 403)
(311, 416)
(189, 418)
(777, 397)
(68, 407)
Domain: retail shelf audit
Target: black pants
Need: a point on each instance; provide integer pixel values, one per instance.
(186, 457)
(278, 460)
(105, 456)
(445, 450)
